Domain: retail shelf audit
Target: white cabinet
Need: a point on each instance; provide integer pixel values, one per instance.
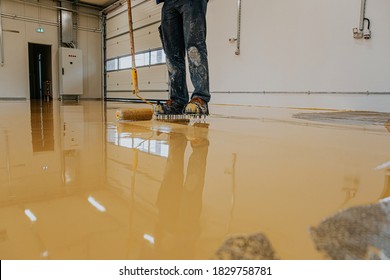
(71, 71)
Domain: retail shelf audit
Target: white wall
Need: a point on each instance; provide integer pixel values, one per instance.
(300, 45)
(297, 53)
(287, 46)
(91, 45)
(14, 74)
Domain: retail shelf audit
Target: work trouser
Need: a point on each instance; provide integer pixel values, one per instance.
(183, 32)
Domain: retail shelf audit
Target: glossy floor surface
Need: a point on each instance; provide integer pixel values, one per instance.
(245, 183)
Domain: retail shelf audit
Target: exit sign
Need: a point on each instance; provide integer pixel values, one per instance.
(40, 30)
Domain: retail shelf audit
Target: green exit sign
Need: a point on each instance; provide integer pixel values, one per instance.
(40, 30)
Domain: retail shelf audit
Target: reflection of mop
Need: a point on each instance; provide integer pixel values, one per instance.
(132, 201)
(134, 168)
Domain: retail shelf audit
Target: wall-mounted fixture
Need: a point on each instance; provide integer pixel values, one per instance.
(367, 31)
(364, 30)
(68, 25)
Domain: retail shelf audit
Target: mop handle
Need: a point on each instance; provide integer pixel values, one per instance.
(134, 73)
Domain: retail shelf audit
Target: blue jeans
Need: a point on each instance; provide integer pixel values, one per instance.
(183, 32)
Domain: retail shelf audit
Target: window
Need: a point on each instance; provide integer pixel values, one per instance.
(125, 62)
(157, 57)
(112, 64)
(142, 59)
(148, 58)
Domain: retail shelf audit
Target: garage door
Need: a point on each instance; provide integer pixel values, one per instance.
(150, 58)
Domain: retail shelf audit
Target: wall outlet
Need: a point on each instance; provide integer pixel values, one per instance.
(357, 34)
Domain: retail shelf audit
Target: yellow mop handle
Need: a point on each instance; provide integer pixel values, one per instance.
(134, 76)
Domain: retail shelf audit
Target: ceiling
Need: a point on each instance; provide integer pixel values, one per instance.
(102, 3)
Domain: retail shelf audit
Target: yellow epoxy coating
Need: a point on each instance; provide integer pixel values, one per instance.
(77, 184)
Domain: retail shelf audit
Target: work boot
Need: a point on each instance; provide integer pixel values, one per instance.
(197, 106)
(169, 108)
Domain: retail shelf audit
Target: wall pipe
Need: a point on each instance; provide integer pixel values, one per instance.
(53, 7)
(1, 41)
(238, 50)
(45, 22)
(118, 4)
(362, 15)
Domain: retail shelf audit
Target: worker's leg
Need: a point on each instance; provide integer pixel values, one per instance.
(194, 16)
(174, 47)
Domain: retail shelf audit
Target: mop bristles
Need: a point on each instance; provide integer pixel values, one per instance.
(179, 117)
(146, 114)
(169, 117)
(184, 121)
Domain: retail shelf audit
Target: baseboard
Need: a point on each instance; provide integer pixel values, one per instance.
(13, 98)
(362, 101)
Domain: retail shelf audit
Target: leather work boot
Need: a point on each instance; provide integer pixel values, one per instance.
(169, 108)
(197, 107)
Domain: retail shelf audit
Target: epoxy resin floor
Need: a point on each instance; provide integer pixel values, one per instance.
(246, 183)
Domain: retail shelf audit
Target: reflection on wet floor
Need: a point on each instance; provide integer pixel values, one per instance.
(246, 247)
(245, 183)
(348, 117)
(357, 233)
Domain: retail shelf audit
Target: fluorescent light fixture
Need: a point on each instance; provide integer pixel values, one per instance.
(30, 215)
(149, 238)
(96, 204)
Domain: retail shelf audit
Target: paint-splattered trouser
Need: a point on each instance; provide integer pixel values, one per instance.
(183, 32)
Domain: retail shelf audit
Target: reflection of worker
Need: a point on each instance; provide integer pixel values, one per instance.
(183, 32)
(180, 199)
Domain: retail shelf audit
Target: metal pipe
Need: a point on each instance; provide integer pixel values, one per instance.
(238, 51)
(45, 22)
(1, 41)
(53, 7)
(118, 4)
(362, 15)
(28, 19)
(113, 6)
(104, 56)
